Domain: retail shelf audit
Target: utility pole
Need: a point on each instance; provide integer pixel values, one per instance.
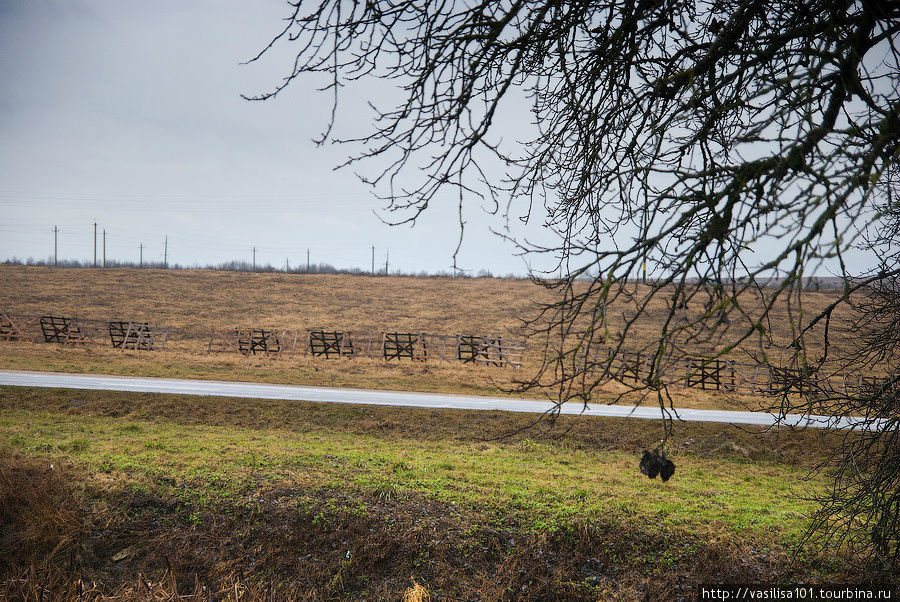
(287, 267)
(644, 226)
(307, 261)
(95, 244)
(55, 247)
(387, 259)
(166, 253)
(373, 260)
(254, 259)
(141, 264)
(104, 247)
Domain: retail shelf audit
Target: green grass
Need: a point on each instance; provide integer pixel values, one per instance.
(541, 485)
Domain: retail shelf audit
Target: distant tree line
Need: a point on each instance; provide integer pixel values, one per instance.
(245, 266)
(811, 283)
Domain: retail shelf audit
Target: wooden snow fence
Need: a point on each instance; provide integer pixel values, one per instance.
(329, 343)
(629, 366)
(487, 350)
(482, 350)
(260, 341)
(713, 374)
(473, 349)
(10, 329)
(785, 381)
(252, 341)
(137, 335)
(716, 375)
(403, 345)
(57, 329)
(851, 384)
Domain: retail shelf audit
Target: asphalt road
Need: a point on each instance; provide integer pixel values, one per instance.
(392, 398)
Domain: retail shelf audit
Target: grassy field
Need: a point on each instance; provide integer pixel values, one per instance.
(141, 495)
(194, 302)
(344, 502)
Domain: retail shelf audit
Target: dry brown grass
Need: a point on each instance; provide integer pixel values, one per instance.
(39, 519)
(291, 545)
(416, 593)
(193, 302)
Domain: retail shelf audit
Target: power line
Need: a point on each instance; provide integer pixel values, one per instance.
(341, 256)
(153, 203)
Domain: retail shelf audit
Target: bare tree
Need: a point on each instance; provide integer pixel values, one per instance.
(707, 147)
(861, 508)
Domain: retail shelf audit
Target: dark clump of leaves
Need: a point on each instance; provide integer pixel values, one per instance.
(656, 463)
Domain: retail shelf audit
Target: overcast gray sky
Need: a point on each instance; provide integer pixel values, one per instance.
(129, 114)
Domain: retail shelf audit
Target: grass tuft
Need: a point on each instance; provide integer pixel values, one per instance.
(416, 593)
